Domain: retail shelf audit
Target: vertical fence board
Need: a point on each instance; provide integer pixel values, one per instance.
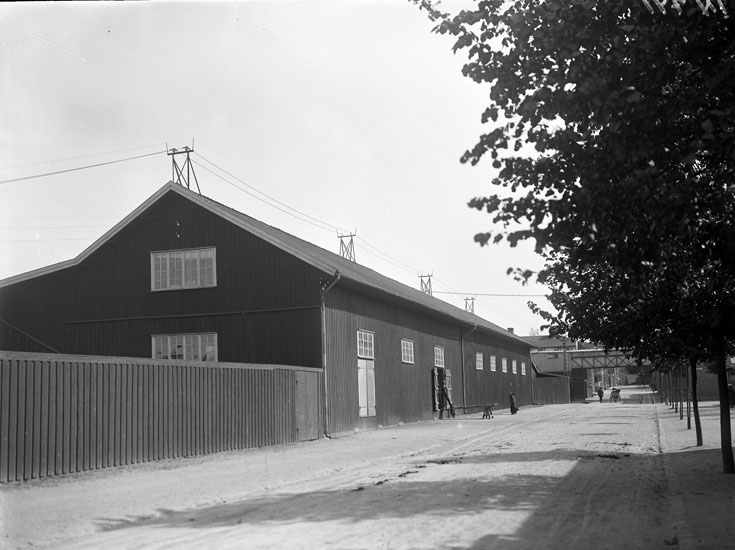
(35, 459)
(135, 440)
(13, 420)
(44, 411)
(57, 379)
(86, 409)
(110, 415)
(4, 417)
(73, 420)
(105, 425)
(21, 431)
(123, 414)
(154, 410)
(93, 405)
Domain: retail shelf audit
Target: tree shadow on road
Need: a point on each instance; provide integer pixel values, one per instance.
(461, 486)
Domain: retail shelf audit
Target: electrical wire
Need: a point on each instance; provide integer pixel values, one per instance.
(79, 157)
(80, 168)
(315, 222)
(489, 294)
(284, 205)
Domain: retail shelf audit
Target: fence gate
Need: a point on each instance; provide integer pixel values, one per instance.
(307, 405)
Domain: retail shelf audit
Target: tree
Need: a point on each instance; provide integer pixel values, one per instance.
(629, 191)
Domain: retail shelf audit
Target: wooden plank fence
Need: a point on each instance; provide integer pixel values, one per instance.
(551, 390)
(61, 414)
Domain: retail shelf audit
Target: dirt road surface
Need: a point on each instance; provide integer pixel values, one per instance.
(596, 475)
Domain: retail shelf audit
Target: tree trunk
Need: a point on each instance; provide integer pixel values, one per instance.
(728, 465)
(681, 392)
(695, 401)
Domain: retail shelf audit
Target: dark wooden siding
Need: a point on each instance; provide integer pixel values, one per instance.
(265, 307)
(487, 387)
(403, 391)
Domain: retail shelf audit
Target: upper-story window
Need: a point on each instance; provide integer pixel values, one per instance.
(523, 368)
(365, 344)
(438, 356)
(407, 352)
(493, 364)
(504, 364)
(478, 361)
(514, 366)
(177, 269)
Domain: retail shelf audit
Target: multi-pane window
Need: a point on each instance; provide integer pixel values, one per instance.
(514, 366)
(523, 368)
(177, 269)
(365, 344)
(504, 364)
(478, 361)
(407, 351)
(438, 356)
(493, 363)
(186, 347)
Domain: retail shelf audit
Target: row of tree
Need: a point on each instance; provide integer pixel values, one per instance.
(627, 190)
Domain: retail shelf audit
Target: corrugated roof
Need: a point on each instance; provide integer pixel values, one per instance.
(328, 262)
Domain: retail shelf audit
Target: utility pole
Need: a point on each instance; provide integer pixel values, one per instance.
(426, 284)
(347, 250)
(183, 173)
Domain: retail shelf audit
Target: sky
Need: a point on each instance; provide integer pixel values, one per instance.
(318, 118)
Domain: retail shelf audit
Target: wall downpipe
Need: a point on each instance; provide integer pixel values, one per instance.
(323, 307)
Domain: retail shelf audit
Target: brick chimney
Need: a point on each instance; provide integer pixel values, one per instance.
(510, 329)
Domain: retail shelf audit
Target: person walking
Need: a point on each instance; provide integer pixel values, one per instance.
(513, 405)
(445, 402)
(600, 393)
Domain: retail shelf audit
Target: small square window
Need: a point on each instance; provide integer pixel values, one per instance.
(478, 361)
(438, 356)
(407, 351)
(365, 344)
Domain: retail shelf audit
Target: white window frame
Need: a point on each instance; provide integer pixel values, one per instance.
(407, 355)
(479, 361)
(187, 343)
(514, 366)
(365, 344)
(439, 357)
(162, 269)
(523, 368)
(493, 364)
(504, 364)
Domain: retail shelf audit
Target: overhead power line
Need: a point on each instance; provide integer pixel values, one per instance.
(67, 159)
(80, 167)
(490, 294)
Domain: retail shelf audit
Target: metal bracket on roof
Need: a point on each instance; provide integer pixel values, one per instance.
(426, 284)
(183, 173)
(347, 250)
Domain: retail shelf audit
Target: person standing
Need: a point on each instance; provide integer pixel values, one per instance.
(600, 393)
(513, 405)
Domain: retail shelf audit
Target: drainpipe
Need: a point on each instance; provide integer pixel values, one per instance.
(323, 307)
(461, 354)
